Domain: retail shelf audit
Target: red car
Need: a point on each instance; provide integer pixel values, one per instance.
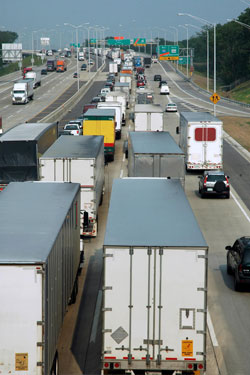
(140, 83)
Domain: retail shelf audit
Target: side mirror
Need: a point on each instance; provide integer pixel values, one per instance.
(228, 177)
(228, 247)
(177, 130)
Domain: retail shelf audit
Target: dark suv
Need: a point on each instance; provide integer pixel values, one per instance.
(215, 183)
(157, 77)
(238, 262)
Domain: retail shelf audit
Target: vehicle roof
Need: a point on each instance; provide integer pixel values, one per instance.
(212, 173)
(200, 117)
(154, 143)
(148, 108)
(151, 212)
(85, 147)
(29, 226)
(121, 84)
(26, 131)
(99, 112)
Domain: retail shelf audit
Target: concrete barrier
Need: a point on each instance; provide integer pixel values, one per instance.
(60, 112)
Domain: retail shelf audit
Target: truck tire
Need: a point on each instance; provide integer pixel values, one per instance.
(229, 270)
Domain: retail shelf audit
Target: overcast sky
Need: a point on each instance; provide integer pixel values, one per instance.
(128, 18)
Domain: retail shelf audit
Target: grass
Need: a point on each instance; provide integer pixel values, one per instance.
(13, 67)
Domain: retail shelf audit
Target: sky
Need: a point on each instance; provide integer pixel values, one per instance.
(128, 18)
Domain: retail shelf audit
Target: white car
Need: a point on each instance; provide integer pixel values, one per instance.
(164, 90)
(74, 128)
(171, 107)
(105, 91)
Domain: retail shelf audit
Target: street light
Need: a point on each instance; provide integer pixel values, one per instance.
(177, 34)
(32, 47)
(202, 20)
(77, 51)
(185, 27)
(240, 23)
(199, 28)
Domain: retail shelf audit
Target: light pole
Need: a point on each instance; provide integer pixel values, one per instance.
(77, 51)
(177, 34)
(185, 27)
(202, 20)
(240, 23)
(199, 28)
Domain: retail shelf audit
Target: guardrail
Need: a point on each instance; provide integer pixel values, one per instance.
(60, 112)
(208, 92)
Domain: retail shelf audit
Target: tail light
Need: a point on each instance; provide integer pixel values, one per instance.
(227, 182)
(205, 181)
(106, 365)
(77, 132)
(240, 268)
(190, 366)
(200, 366)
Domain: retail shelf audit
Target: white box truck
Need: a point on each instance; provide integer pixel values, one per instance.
(35, 76)
(148, 117)
(39, 265)
(113, 67)
(117, 106)
(121, 97)
(22, 91)
(126, 78)
(78, 159)
(201, 138)
(155, 281)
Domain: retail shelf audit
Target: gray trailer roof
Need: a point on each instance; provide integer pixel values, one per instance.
(154, 143)
(151, 212)
(200, 117)
(85, 147)
(99, 112)
(156, 108)
(25, 132)
(32, 214)
(121, 84)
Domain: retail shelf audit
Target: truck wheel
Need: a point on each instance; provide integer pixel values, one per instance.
(229, 270)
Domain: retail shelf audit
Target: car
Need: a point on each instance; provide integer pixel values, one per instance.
(84, 67)
(90, 62)
(44, 72)
(75, 75)
(109, 84)
(164, 90)
(157, 77)
(140, 83)
(171, 107)
(96, 99)
(214, 183)
(105, 91)
(77, 121)
(238, 262)
(162, 83)
(73, 128)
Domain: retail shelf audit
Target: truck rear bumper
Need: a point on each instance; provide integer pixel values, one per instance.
(204, 166)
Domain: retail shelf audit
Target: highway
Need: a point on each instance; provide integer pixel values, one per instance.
(221, 222)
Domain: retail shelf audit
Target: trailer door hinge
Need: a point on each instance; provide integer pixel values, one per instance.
(203, 256)
(41, 343)
(107, 288)
(107, 256)
(106, 330)
(40, 323)
(201, 332)
(40, 364)
(107, 309)
(201, 289)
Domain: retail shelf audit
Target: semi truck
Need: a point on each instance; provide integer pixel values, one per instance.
(155, 154)
(36, 77)
(23, 91)
(201, 138)
(61, 66)
(148, 117)
(113, 67)
(155, 281)
(121, 97)
(81, 160)
(118, 115)
(147, 62)
(101, 122)
(20, 149)
(51, 65)
(39, 266)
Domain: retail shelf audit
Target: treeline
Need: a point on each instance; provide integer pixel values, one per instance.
(233, 50)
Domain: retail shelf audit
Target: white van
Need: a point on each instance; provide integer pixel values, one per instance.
(164, 90)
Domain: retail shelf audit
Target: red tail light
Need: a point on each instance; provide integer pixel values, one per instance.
(240, 268)
(77, 132)
(200, 367)
(227, 182)
(205, 181)
(190, 366)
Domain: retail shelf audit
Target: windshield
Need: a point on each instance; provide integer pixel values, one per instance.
(215, 177)
(71, 127)
(19, 92)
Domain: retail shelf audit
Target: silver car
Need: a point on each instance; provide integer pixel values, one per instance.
(214, 183)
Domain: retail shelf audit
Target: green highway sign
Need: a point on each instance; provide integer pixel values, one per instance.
(92, 41)
(74, 45)
(118, 42)
(183, 60)
(140, 42)
(168, 52)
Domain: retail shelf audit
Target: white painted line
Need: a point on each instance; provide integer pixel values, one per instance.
(121, 174)
(6, 106)
(96, 317)
(10, 116)
(240, 207)
(211, 330)
(123, 159)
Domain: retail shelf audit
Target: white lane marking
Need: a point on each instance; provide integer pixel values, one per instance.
(202, 100)
(96, 317)
(211, 330)
(121, 173)
(240, 207)
(123, 159)
(10, 116)
(6, 106)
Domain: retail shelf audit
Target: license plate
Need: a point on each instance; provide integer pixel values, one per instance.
(209, 189)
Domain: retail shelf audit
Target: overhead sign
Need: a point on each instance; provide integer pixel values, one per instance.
(92, 41)
(45, 41)
(74, 45)
(140, 42)
(183, 60)
(118, 42)
(168, 52)
(11, 52)
(215, 98)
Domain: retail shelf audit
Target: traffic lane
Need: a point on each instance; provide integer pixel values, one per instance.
(221, 222)
(223, 106)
